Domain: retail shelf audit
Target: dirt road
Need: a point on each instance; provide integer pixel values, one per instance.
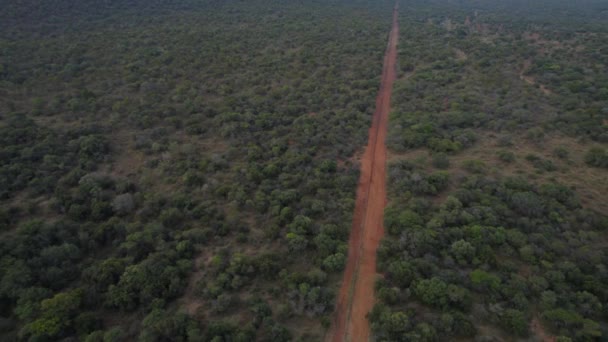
(356, 297)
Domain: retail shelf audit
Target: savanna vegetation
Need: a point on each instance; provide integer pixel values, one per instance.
(186, 170)
(496, 223)
(180, 170)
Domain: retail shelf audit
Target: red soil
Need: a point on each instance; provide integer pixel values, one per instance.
(356, 297)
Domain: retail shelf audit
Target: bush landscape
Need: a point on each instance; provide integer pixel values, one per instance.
(496, 222)
(187, 170)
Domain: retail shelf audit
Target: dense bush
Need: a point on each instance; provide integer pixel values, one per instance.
(597, 157)
(458, 253)
(487, 255)
(147, 143)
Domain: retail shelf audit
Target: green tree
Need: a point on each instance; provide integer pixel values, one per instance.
(438, 293)
(484, 280)
(463, 251)
(57, 316)
(515, 322)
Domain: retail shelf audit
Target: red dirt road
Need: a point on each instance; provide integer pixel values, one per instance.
(356, 297)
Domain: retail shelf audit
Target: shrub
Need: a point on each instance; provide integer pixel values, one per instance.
(444, 145)
(527, 203)
(541, 164)
(484, 280)
(535, 134)
(506, 156)
(463, 251)
(561, 152)
(437, 293)
(515, 321)
(439, 181)
(474, 166)
(335, 262)
(597, 157)
(123, 204)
